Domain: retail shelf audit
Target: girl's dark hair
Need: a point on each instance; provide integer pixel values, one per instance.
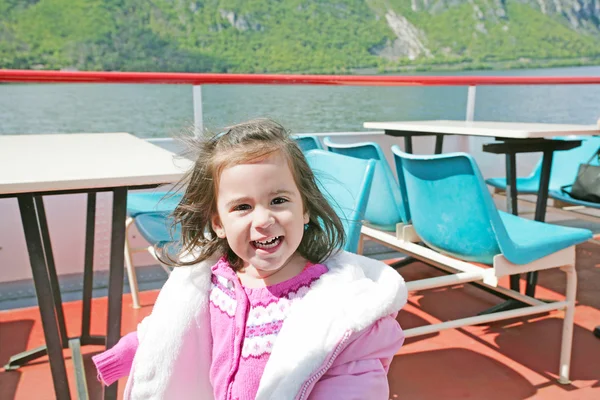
(246, 142)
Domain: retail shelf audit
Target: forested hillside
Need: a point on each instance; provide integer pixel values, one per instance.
(323, 36)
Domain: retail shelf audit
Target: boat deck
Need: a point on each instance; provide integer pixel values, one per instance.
(515, 359)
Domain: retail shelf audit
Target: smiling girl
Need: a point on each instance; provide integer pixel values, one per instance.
(263, 303)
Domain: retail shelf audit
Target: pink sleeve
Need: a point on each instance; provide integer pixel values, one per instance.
(360, 371)
(116, 362)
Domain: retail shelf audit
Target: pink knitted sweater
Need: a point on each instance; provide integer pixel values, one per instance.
(244, 325)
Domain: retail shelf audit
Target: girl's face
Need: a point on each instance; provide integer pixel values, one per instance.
(260, 212)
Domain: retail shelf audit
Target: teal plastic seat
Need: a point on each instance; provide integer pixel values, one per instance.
(387, 203)
(563, 171)
(157, 228)
(565, 198)
(344, 181)
(308, 142)
(151, 202)
(453, 212)
(157, 205)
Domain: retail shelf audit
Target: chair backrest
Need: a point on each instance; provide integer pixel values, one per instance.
(451, 208)
(308, 142)
(565, 164)
(387, 204)
(145, 202)
(345, 182)
(157, 228)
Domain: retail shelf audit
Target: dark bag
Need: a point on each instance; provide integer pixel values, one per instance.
(587, 183)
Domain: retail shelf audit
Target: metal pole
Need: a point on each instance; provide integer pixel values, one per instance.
(198, 120)
(464, 142)
(471, 103)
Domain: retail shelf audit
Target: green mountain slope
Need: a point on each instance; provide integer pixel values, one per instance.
(288, 35)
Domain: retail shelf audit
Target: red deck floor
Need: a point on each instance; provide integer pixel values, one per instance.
(516, 359)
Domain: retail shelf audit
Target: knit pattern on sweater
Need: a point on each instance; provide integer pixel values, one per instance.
(245, 323)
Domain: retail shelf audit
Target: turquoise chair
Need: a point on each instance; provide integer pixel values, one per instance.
(387, 203)
(308, 142)
(564, 168)
(454, 215)
(386, 206)
(138, 204)
(566, 198)
(344, 181)
(453, 212)
(157, 228)
(145, 202)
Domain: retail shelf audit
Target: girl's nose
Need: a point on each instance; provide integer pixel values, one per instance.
(263, 218)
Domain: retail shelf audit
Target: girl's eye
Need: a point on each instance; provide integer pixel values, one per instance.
(241, 207)
(279, 200)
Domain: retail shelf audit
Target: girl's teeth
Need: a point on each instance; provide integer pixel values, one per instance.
(267, 244)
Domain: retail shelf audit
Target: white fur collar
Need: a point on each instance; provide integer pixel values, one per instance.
(354, 293)
(173, 359)
(174, 354)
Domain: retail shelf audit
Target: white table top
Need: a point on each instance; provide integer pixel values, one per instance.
(53, 162)
(516, 130)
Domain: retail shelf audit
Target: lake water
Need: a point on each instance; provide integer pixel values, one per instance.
(163, 110)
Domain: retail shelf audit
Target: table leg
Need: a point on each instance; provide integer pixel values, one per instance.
(511, 206)
(31, 227)
(88, 267)
(115, 285)
(540, 212)
(511, 202)
(511, 184)
(60, 315)
(510, 148)
(23, 358)
(439, 144)
(408, 135)
(542, 196)
(408, 144)
(88, 275)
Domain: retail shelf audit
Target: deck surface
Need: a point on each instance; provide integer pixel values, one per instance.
(516, 359)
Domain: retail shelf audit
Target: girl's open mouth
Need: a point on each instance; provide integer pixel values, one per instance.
(268, 244)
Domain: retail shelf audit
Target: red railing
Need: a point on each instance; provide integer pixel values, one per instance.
(275, 79)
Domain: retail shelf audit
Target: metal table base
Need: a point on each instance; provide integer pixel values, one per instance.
(39, 248)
